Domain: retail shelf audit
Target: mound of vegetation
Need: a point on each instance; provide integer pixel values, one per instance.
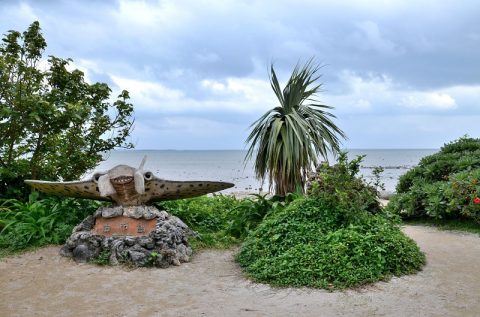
(222, 221)
(336, 237)
(444, 185)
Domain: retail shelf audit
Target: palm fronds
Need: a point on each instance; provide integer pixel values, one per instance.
(289, 139)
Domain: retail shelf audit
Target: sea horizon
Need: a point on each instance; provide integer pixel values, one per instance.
(347, 149)
(231, 166)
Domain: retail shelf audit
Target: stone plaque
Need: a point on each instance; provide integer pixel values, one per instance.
(123, 226)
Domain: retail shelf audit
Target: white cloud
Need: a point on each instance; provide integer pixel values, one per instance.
(363, 104)
(380, 93)
(433, 100)
(86, 66)
(147, 95)
(215, 86)
(243, 95)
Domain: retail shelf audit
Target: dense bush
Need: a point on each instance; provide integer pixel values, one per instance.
(443, 185)
(221, 221)
(335, 237)
(207, 216)
(40, 222)
(342, 181)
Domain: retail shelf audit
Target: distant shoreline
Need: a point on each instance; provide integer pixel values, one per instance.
(230, 165)
(245, 150)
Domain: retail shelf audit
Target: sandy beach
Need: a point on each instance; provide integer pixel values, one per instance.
(41, 283)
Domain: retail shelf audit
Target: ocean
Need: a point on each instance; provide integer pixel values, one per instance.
(229, 166)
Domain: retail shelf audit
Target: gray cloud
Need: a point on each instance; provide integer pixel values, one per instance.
(383, 59)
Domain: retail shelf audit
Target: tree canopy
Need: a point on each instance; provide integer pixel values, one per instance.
(53, 123)
(289, 139)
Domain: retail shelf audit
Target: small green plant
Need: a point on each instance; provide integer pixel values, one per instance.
(377, 174)
(102, 259)
(152, 258)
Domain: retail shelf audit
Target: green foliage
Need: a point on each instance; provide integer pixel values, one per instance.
(459, 155)
(443, 185)
(40, 222)
(208, 216)
(152, 258)
(102, 259)
(335, 237)
(341, 182)
(289, 138)
(222, 221)
(316, 243)
(52, 117)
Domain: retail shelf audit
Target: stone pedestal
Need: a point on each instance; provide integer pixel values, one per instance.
(139, 235)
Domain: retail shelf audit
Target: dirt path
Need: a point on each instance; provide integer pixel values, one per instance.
(41, 283)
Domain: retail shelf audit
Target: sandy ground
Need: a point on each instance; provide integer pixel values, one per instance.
(41, 283)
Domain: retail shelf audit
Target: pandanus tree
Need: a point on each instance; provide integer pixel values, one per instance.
(289, 139)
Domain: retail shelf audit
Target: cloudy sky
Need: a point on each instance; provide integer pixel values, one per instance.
(400, 74)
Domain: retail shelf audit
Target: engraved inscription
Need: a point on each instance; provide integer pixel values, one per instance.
(123, 226)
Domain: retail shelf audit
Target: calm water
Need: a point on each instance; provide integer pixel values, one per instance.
(228, 165)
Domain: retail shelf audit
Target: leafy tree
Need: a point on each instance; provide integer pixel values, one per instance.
(289, 138)
(53, 124)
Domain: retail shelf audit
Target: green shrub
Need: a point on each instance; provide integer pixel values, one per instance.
(252, 211)
(40, 222)
(319, 243)
(203, 213)
(222, 221)
(207, 216)
(335, 237)
(342, 182)
(443, 185)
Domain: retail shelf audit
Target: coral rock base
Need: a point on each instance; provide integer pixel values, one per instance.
(165, 245)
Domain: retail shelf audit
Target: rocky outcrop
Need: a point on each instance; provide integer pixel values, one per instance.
(165, 245)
